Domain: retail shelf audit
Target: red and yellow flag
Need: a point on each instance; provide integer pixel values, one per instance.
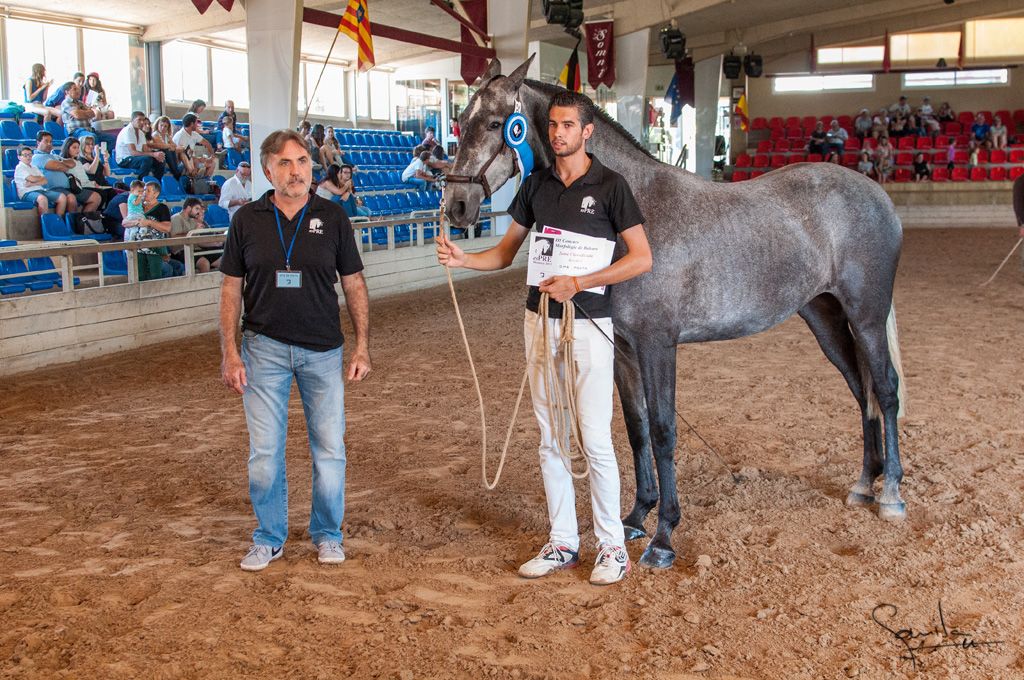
(570, 76)
(355, 23)
(743, 113)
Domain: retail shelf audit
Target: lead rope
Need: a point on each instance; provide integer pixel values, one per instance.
(561, 436)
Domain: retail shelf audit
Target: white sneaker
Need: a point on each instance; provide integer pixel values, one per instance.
(260, 556)
(551, 558)
(330, 553)
(611, 567)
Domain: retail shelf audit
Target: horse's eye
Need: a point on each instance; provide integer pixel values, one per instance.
(494, 126)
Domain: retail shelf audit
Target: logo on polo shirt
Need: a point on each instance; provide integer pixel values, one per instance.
(588, 205)
(316, 226)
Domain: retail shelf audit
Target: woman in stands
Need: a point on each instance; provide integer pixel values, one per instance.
(155, 262)
(97, 97)
(946, 114)
(162, 139)
(865, 166)
(330, 151)
(35, 89)
(95, 160)
(71, 150)
(998, 133)
(316, 142)
(198, 106)
(338, 186)
(883, 160)
(922, 168)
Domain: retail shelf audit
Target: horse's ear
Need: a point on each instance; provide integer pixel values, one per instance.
(493, 69)
(516, 78)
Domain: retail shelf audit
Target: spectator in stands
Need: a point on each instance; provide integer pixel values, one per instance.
(897, 125)
(950, 153)
(133, 219)
(456, 131)
(338, 185)
(57, 98)
(816, 142)
(231, 139)
(196, 109)
(835, 138)
(70, 150)
(305, 127)
(30, 185)
(914, 126)
(154, 262)
(132, 151)
(928, 121)
(189, 219)
(926, 107)
(96, 98)
(229, 110)
(880, 124)
(56, 168)
(35, 89)
(922, 168)
(946, 114)
(162, 139)
(188, 138)
(862, 125)
(75, 114)
(980, 131)
(330, 152)
(429, 140)
(883, 160)
(237, 191)
(415, 174)
(316, 142)
(437, 163)
(114, 214)
(96, 161)
(973, 152)
(998, 133)
(901, 106)
(865, 166)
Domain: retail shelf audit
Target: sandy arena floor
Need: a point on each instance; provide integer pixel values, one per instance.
(124, 511)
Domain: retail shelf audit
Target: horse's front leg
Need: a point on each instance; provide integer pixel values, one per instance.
(634, 410)
(658, 371)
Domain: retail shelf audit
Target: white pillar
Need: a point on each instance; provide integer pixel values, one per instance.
(508, 22)
(273, 31)
(707, 85)
(631, 79)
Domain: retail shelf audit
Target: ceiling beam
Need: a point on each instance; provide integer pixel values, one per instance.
(192, 23)
(636, 15)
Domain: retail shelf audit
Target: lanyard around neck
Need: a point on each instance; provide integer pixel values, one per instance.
(280, 232)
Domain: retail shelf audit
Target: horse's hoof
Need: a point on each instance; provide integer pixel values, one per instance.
(632, 533)
(892, 512)
(860, 499)
(657, 558)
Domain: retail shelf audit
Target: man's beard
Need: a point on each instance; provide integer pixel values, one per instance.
(569, 149)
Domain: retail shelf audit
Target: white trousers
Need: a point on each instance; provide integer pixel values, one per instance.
(594, 357)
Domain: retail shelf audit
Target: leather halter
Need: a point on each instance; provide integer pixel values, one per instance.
(481, 176)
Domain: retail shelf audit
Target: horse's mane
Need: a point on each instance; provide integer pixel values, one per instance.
(605, 118)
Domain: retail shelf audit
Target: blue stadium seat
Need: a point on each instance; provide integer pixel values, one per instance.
(376, 180)
(10, 160)
(30, 128)
(55, 129)
(36, 264)
(378, 141)
(359, 180)
(175, 210)
(395, 178)
(233, 159)
(392, 204)
(347, 141)
(217, 216)
(57, 229)
(402, 200)
(171, 189)
(10, 288)
(11, 134)
(12, 202)
(18, 267)
(375, 158)
(115, 263)
(373, 204)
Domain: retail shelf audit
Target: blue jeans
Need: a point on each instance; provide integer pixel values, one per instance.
(270, 368)
(171, 268)
(420, 184)
(144, 166)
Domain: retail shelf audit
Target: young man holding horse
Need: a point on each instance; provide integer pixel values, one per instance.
(576, 194)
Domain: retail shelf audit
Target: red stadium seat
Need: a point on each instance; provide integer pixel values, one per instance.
(924, 143)
(978, 175)
(776, 123)
(997, 156)
(870, 143)
(902, 175)
(959, 175)
(814, 158)
(756, 173)
(827, 120)
(761, 160)
(850, 159)
(952, 128)
(904, 158)
(809, 122)
(966, 118)
(781, 145)
(777, 133)
(982, 156)
(778, 161)
(987, 115)
(1017, 156)
(941, 141)
(1005, 115)
(962, 141)
(795, 133)
(961, 158)
(845, 121)
(759, 124)
(905, 143)
(940, 175)
(1018, 116)
(997, 174)
(1016, 171)
(740, 176)
(743, 161)
(793, 121)
(796, 158)
(797, 144)
(764, 146)
(940, 157)
(852, 144)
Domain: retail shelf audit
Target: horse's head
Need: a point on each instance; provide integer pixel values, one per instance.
(484, 161)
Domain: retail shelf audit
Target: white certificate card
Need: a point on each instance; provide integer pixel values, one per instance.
(566, 253)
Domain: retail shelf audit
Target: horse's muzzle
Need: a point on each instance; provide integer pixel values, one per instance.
(459, 213)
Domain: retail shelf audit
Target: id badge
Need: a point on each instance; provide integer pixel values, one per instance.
(287, 279)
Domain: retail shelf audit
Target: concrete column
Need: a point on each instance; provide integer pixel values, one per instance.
(273, 31)
(631, 79)
(509, 22)
(707, 83)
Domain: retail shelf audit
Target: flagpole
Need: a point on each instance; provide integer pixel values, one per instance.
(322, 69)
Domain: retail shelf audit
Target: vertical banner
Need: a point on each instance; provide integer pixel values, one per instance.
(137, 64)
(473, 67)
(600, 53)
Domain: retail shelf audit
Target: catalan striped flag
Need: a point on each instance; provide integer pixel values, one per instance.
(570, 76)
(743, 112)
(355, 23)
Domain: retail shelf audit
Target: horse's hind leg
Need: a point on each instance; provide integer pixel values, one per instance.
(634, 410)
(827, 320)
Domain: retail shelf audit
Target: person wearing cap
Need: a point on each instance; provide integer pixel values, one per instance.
(880, 124)
(862, 126)
(926, 107)
(237, 191)
(902, 106)
(96, 97)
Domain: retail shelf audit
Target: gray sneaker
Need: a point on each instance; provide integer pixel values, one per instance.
(330, 553)
(260, 556)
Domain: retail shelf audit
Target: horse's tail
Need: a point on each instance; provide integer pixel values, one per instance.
(893, 340)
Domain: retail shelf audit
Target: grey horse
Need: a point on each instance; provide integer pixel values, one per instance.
(730, 260)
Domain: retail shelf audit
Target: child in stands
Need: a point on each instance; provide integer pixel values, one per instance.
(135, 212)
(922, 168)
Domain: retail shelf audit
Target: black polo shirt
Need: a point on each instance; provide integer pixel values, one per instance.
(307, 317)
(600, 203)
